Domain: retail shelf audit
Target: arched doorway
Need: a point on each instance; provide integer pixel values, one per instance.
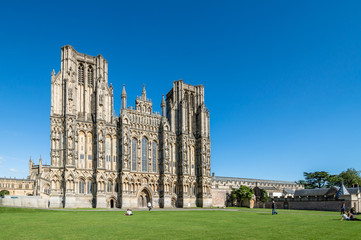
(143, 198)
(111, 203)
(174, 202)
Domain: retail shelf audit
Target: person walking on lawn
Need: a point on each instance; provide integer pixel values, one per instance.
(274, 206)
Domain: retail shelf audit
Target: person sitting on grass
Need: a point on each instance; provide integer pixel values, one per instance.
(352, 218)
(344, 216)
(129, 212)
(349, 216)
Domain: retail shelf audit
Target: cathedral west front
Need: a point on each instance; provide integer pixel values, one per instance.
(102, 160)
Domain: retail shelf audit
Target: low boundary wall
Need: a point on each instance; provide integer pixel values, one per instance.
(24, 201)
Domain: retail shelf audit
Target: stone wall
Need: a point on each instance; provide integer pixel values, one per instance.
(24, 201)
(219, 197)
(17, 186)
(307, 203)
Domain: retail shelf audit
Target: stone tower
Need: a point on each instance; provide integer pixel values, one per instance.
(189, 120)
(81, 116)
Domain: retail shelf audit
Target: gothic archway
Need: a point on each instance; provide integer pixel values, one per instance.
(111, 203)
(174, 202)
(143, 198)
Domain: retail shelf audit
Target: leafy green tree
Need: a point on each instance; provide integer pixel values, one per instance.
(264, 196)
(304, 183)
(4, 192)
(316, 179)
(242, 193)
(334, 180)
(350, 177)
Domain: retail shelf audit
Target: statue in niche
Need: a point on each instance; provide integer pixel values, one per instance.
(101, 100)
(70, 142)
(100, 146)
(70, 93)
(70, 105)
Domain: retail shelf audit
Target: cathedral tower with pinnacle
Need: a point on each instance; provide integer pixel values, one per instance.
(102, 160)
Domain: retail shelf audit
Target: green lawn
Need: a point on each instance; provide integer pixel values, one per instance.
(17, 223)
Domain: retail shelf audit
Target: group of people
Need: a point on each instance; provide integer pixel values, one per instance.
(347, 215)
(130, 211)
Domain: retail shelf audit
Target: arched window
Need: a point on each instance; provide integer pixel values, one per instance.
(107, 151)
(170, 169)
(134, 155)
(154, 156)
(90, 75)
(89, 150)
(144, 154)
(81, 73)
(109, 186)
(89, 187)
(81, 150)
(81, 186)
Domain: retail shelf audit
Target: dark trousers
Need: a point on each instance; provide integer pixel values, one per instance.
(274, 211)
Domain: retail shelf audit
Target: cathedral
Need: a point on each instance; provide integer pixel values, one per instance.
(102, 160)
(99, 160)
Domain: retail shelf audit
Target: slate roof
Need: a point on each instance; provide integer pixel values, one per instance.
(311, 192)
(354, 190)
(217, 178)
(289, 191)
(325, 191)
(342, 191)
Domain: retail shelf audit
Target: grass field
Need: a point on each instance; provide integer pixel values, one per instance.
(237, 223)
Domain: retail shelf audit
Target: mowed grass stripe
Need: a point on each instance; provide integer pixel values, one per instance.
(17, 223)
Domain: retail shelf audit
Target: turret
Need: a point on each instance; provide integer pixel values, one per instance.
(30, 165)
(144, 93)
(40, 165)
(163, 106)
(124, 98)
(142, 104)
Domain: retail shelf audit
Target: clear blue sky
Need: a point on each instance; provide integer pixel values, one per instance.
(282, 78)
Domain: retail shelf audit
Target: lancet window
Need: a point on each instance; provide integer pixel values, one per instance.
(134, 155)
(81, 73)
(81, 186)
(144, 154)
(90, 75)
(154, 156)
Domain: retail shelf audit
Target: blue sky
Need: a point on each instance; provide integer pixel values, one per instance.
(282, 78)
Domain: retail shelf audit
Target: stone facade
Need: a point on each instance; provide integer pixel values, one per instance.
(102, 160)
(319, 199)
(17, 186)
(222, 187)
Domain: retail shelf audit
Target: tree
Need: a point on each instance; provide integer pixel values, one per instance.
(4, 192)
(303, 182)
(316, 179)
(334, 180)
(241, 194)
(264, 196)
(350, 177)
